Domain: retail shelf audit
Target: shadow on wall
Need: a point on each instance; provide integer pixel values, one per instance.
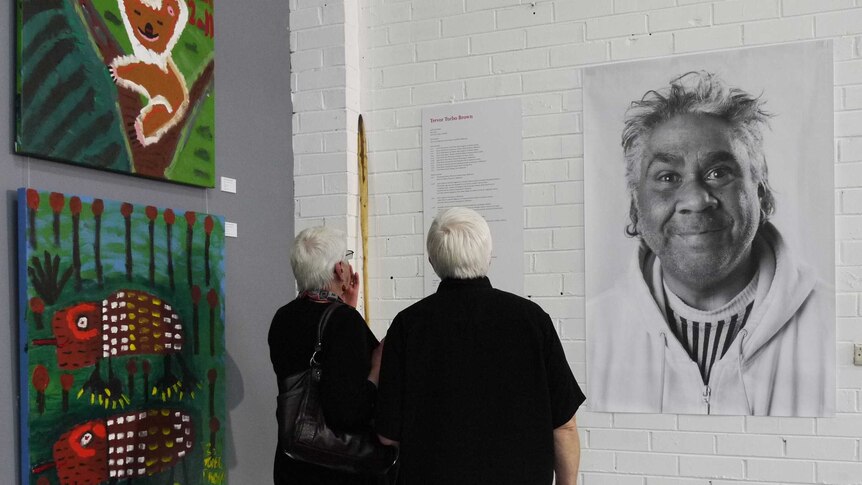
(12, 345)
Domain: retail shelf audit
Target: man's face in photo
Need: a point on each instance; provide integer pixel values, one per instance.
(697, 200)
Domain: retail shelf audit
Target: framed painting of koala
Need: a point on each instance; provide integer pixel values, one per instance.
(119, 85)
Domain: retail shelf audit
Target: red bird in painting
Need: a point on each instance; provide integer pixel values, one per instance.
(123, 446)
(127, 322)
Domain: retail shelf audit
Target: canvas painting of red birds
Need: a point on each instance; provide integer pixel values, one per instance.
(120, 382)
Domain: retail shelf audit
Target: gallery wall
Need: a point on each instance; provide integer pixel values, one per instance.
(421, 53)
(253, 146)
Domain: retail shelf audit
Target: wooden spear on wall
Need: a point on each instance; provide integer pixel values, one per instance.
(362, 158)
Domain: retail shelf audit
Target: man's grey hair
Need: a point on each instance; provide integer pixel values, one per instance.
(316, 251)
(459, 244)
(698, 93)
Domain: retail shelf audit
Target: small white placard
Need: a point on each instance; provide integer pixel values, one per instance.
(228, 185)
(230, 229)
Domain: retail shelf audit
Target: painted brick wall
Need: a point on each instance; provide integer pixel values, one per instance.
(324, 85)
(425, 52)
(325, 45)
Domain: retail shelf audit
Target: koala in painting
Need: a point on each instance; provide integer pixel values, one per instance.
(154, 27)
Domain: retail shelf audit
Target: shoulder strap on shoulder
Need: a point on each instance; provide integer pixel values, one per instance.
(324, 319)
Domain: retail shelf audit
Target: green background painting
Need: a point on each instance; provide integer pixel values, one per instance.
(70, 109)
(74, 250)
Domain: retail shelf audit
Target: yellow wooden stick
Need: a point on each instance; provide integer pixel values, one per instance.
(362, 155)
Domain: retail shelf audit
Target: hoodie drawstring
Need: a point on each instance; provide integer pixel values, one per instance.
(663, 366)
(742, 334)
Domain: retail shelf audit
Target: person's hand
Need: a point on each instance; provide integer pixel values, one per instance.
(351, 288)
(376, 357)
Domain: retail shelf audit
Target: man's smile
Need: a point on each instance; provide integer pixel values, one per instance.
(700, 232)
(702, 225)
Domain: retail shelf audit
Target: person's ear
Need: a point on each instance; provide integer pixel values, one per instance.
(632, 228)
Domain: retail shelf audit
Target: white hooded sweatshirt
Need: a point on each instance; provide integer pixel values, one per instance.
(781, 364)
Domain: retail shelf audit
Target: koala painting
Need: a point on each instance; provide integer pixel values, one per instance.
(153, 27)
(120, 85)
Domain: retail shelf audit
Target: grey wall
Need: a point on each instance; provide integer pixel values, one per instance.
(253, 145)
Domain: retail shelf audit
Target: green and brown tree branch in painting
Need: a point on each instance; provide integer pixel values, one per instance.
(99, 86)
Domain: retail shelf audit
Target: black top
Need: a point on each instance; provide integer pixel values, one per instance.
(346, 394)
(473, 383)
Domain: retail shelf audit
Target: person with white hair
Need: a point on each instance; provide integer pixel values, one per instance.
(474, 385)
(350, 360)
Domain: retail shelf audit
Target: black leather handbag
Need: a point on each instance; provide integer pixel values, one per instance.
(302, 431)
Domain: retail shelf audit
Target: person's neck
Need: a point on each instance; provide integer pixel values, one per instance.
(711, 295)
(335, 287)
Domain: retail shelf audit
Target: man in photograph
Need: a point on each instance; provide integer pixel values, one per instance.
(716, 315)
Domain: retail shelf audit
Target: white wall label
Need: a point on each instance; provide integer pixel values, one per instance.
(471, 157)
(230, 229)
(228, 185)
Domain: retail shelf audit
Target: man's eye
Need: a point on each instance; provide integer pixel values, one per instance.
(719, 173)
(667, 177)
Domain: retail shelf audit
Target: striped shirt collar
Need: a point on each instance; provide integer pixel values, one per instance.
(735, 306)
(320, 295)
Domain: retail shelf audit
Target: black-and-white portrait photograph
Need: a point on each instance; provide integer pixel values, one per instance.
(710, 246)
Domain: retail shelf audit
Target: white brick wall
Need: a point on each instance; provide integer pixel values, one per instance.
(416, 53)
(325, 90)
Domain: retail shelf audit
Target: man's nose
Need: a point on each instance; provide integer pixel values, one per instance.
(695, 196)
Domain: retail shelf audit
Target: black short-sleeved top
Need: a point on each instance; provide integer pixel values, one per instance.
(473, 383)
(347, 396)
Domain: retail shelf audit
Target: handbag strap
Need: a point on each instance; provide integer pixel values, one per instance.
(324, 319)
(288, 382)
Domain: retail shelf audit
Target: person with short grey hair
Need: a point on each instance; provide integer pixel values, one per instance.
(716, 314)
(350, 356)
(459, 244)
(315, 253)
(474, 385)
